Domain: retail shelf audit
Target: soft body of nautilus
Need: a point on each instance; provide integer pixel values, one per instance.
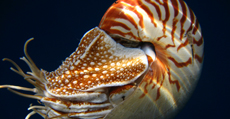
(142, 61)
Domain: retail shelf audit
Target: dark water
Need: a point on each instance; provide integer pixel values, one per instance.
(57, 27)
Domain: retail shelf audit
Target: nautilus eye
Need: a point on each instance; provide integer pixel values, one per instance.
(142, 61)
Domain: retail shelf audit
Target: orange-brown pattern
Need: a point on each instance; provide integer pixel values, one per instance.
(87, 84)
(95, 65)
(172, 14)
(127, 79)
(102, 63)
(174, 31)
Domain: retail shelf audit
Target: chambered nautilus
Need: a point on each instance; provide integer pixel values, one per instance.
(142, 61)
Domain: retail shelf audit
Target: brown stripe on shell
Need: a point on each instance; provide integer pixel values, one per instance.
(183, 19)
(180, 64)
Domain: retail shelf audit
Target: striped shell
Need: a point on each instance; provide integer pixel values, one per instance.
(142, 61)
(174, 31)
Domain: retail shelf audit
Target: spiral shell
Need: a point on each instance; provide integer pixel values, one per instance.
(142, 61)
(175, 33)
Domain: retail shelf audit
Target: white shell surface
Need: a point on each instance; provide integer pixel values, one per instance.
(176, 35)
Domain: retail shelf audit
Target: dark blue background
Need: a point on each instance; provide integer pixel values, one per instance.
(57, 27)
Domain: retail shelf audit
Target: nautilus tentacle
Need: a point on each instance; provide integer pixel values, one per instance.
(93, 80)
(143, 61)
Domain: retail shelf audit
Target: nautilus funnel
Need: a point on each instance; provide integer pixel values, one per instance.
(143, 60)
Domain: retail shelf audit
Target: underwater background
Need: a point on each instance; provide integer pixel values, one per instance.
(57, 27)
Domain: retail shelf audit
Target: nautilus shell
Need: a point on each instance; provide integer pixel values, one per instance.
(142, 61)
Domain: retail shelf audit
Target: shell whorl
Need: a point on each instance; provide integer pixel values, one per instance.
(174, 31)
(142, 61)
